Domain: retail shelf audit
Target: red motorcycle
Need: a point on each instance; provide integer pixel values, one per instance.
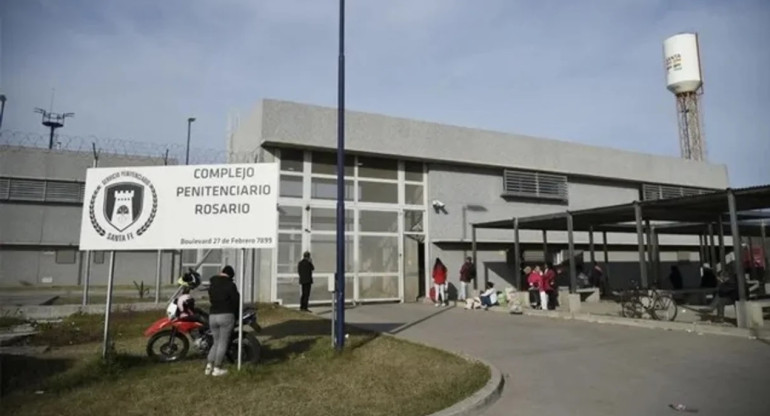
(170, 338)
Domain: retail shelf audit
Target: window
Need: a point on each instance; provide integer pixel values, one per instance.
(41, 190)
(326, 164)
(413, 171)
(189, 256)
(323, 249)
(378, 221)
(98, 257)
(292, 160)
(325, 219)
(56, 191)
(413, 195)
(413, 221)
(289, 252)
(378, 287)
(291, 186)
(214, 257)
(378, 254)
(653, 192)
(326, 188)
(386, 193)
(5, 188)
(377, 168)
(290, 218)
(66, 256)
(207, 271)
(527, 184)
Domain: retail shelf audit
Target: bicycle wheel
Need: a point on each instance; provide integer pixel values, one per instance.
(630, 307)
(664, 307)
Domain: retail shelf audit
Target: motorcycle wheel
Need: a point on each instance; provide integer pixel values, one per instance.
(252, 349)
(168, 350)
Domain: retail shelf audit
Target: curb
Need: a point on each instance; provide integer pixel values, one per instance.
(480, 400)
(476, 402)
(693, 327)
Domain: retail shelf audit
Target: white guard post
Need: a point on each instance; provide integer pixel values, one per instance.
(240, 307)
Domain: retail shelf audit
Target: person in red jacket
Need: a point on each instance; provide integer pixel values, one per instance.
(546, 286)
(549, 284)
(534, 278)
(439, 282)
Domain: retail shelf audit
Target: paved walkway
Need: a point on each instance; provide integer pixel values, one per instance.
(556, 367)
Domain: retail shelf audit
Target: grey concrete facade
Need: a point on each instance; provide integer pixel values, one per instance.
(39, 239)
(464, 170)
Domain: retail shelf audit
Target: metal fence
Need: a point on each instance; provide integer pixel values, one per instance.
(173, 154)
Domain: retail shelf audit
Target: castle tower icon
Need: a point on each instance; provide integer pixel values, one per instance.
(122, 211)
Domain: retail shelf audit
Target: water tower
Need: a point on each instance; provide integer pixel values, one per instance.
(683, 78)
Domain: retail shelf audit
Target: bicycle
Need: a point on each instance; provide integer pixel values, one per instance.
(634, 303)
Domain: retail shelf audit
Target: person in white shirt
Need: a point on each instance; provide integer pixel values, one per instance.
(485, 300)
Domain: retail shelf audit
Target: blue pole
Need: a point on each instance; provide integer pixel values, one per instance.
(340, 292)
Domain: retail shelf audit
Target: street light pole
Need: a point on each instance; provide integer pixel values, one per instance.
(187, 149)
(340, 289)
(186, 162)
(2, 109)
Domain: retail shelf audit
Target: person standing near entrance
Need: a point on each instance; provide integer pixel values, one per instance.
(439, 281)
(467, 274)
(305, 269)
(549, 283)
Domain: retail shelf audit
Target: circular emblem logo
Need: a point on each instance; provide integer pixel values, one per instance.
(123, 206)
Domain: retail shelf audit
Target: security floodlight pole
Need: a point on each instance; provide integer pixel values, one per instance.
(53, 121)
(187, 151)
(2, 109)
(340, 283)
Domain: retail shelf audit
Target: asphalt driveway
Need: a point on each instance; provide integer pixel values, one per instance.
(558, 367)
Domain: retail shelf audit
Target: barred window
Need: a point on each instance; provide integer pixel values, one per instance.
(654, 192)
(41, 190)
(527, 184)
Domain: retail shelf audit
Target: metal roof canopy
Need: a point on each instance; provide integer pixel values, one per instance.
(746, 223)
(682, 214)
(706, 208)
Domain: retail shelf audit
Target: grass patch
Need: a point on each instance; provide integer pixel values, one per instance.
(299, 374)
(10, 321)
(83, 329)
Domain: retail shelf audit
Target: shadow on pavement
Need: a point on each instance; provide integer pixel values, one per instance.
(419, 321)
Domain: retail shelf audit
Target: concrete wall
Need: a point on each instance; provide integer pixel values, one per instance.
(473, 195)
(32, 232)
(64, 165)
(286, 123)
(39, 267)
(45, 223)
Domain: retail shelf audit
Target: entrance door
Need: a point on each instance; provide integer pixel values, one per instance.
(414, 267)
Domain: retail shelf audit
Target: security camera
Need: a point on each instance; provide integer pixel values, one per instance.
(437, 204)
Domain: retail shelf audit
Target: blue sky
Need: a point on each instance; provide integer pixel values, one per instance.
(582, 71)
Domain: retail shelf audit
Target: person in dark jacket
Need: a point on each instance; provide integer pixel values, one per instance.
(467, 275)
(225, 304)
(675, 277)
(305, 269)
(727, 294)
(709, 278)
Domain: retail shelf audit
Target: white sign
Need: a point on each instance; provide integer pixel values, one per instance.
(180, 207)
